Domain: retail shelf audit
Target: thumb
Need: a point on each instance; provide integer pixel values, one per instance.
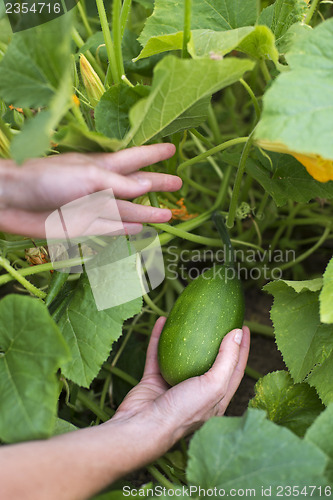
(226, 361)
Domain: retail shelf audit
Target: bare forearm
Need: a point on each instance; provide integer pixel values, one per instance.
(77, 465)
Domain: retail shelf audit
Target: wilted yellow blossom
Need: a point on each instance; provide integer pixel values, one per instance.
(321, 169)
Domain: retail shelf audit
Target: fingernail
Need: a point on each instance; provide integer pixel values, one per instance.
(238, 336)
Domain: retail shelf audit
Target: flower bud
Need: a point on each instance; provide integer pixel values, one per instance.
(92, 82)
(4, 145)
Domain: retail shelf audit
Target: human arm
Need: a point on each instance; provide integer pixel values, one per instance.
(151, 419)
(28, 194)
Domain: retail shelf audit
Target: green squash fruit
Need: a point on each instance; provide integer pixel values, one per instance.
(209, 307)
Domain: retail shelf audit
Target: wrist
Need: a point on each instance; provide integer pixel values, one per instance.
(144, 438)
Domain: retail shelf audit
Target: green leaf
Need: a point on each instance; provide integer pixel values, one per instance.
(36, 134)
(204, 42)
(32, 350)
(321, 376)
(191, 118)
(62, 427)
(217, 15)
(260, 44)
(293, 35)
(257, 42)
(318, 434)
(75, 138)
(289, 180)
(111, 113)
(326, 296)
(251, 452)
(283, 14)
(90, 333)
(305, 343)
(300, 286)
(177, 85)
(294, 406)
(161, 43)
(35, 63)
(297, 110)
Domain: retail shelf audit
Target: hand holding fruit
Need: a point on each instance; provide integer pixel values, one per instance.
(30, 193)
(184, 407)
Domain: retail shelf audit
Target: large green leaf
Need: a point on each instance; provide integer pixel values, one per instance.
(305, 343)
(294, 406)
(298, 106)
(35, 63)
(111, 113)
(326, 296)
(90, 333)
(252, 452)
(320, 433)
(217, 15)
(283, 14)
(32, 350)
(178, 85)
(288, 180)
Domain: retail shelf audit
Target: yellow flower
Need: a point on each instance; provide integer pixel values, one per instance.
(92, 82)
(321, 169)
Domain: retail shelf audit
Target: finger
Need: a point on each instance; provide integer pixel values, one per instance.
(220, 373)
(159, 182)
(238, 373)
(130, 160)
(151, 366)
(106, 227)
(122, 186)
(21, 222)
(131, 212)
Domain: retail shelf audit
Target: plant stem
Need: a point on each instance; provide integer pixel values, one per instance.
(124, 15)
(18, 277)
(121, 374)
(117, 36)
(253, 373)
(84, 19)
(265, 72)
(238, 181)
(159, 477)
(265, 330)
(105, 389)
(126, 80)
(213, 124)
(210, 152)
(187, 26)
(211, 160)
(253, 97)
(116, 76)
(310, 251)
(29, 271)
(153, 306)
(202, 240)
(153, 200)
(309, 15)
(83, 397)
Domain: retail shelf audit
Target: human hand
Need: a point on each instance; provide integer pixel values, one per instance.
(184, 407)
(30, 193)
(150, 420)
